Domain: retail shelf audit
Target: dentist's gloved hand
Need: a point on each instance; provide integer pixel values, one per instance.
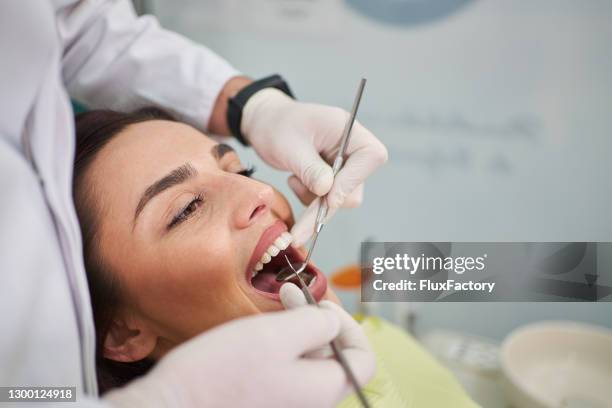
(254, 361)
(351, 338)
(304, 138)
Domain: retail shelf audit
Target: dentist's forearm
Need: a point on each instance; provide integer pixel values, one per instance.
(218, 119)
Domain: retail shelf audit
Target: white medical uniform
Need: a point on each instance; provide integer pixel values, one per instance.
(101, 54)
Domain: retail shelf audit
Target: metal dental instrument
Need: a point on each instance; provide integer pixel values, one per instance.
(287, 274)
(319, 223)
(338, 354)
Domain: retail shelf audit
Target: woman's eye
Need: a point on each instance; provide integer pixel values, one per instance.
(247, 172)
(186, 211)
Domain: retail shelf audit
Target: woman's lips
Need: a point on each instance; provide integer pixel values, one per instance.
(266, 279)
(267, 238)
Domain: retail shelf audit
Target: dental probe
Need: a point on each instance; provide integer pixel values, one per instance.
(323, 206)
(333, 344)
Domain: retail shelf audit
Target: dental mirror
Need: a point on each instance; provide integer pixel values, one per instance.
(287, 273)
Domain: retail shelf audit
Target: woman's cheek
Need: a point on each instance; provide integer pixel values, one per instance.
(212, 261)
(281, 207)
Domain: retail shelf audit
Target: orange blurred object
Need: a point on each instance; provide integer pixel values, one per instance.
(348, 277)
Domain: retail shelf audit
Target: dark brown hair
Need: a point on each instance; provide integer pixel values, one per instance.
(94, 129)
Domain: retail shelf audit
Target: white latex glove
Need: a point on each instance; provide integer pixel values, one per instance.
(351, 338)
(254, 361)
(304, 138)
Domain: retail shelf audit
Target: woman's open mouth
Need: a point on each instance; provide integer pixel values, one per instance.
(268, 260)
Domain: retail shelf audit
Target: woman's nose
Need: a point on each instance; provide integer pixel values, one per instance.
(253, 200)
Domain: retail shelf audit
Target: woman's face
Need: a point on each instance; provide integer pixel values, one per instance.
(182, 231)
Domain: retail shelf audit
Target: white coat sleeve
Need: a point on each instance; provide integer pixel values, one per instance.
(115, 59)
(39, 343)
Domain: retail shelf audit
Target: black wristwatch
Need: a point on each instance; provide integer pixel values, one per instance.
(237, 103)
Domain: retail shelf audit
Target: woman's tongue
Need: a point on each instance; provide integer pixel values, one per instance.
(266, 282)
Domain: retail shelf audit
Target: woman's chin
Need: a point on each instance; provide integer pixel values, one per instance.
(265, 304)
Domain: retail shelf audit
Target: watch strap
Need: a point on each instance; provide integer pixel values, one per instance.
(237, 103)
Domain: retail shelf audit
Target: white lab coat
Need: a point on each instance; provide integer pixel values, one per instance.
(101, 54)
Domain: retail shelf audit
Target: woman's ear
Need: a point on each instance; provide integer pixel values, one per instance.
(128, 339)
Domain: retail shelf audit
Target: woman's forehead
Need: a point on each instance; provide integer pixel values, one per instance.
(146, 151)
(150, 148)
(160, 137)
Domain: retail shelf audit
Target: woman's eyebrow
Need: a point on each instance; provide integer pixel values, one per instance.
(176, 176)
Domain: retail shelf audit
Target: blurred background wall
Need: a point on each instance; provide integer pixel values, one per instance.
(497, 116)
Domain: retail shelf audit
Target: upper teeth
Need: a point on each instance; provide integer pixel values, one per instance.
(281, 243)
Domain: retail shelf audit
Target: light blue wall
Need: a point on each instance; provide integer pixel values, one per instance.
(497, 116)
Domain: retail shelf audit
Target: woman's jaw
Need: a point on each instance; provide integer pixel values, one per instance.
(268, 259)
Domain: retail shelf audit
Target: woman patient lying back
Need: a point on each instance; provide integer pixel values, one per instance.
(179, 238)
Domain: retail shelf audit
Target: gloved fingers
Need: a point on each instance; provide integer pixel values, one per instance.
(365, 154)
(351, 333)
(291, 296)
(362, 363)
(320, 353)
(300, 190)
(354, 199)
(306, 197)
(328, 376)
(304, 227)
(354, 343)
(322, 377)
(310, 168)
(303, 329)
